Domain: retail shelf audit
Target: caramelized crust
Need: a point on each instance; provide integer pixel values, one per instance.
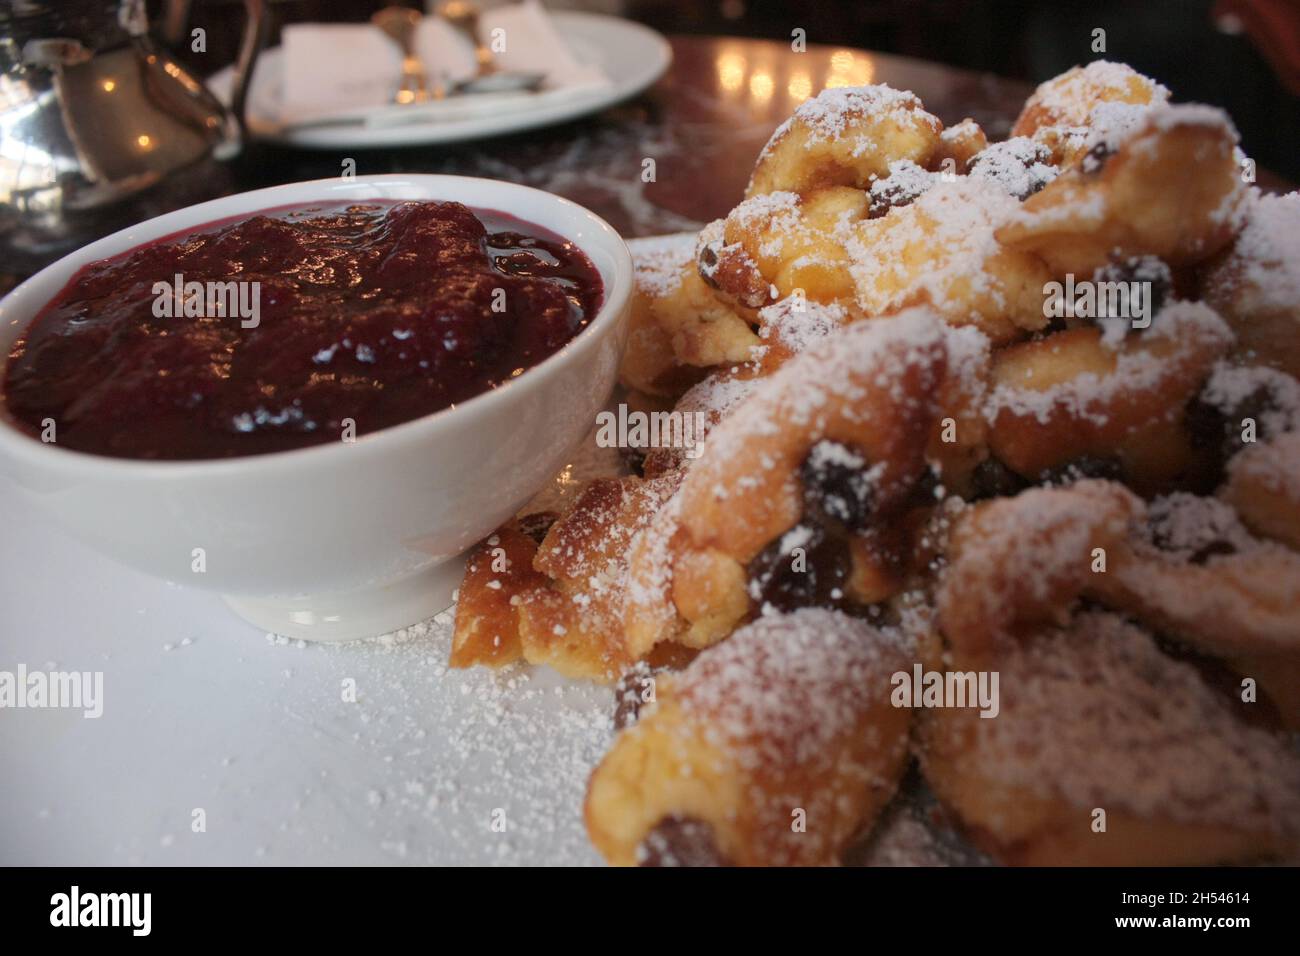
(497, 572)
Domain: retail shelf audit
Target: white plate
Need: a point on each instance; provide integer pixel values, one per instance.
(632, 56)
(202, 712)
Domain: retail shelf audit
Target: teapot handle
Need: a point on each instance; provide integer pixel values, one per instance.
(249, 47)
(176, 17)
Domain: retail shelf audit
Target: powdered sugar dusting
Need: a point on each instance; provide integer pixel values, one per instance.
(713, 397)
(1097, 715)
(447, 766)
(960, 132)
(1274, 466)
(968, 357)
(716, 395)
(796, 324)
(905, 182)
(777, 213)
(1183, 525)
(827, 115)
(954, 221)
(1270, 397)
(801, 390)
(1088, 396)
(1026, 546)
(1070, 98)
(780, 691)
(1268, 250)
(1019, 165)
(651, 577)
(1109, 124)
(659, 262)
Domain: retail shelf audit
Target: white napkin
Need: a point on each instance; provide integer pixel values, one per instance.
(342, 71)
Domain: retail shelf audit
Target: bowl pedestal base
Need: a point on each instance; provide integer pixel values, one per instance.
(339, 616)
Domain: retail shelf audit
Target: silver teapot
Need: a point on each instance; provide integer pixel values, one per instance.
(93, 109)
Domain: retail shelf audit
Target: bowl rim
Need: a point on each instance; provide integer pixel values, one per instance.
(618, 292)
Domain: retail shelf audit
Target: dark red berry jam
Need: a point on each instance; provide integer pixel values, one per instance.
(362, 317)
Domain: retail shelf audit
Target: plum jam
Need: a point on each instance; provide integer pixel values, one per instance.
(295, 327)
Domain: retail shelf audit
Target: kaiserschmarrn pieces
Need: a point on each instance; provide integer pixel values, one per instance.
(1183, 566)
(678, 326)
(775, 748)
(1069, 100)
(487, 611)
(1107, 752)
(1016, 565)
(1239, 407)
(707, 403)
(1108, 396)
(1195, 574)
(1256, 284)
(845, 137)
(703, 331)
(780, 244)
(1168, 187)
(1264, 486)
(959, 144)
(941, 250)
(1200, 574)
(798, 496)
(559, 603)
(1021, 412)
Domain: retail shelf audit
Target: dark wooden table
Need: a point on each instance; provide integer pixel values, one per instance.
(703, 124)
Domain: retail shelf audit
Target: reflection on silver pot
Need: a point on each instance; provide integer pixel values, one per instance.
(93, 109)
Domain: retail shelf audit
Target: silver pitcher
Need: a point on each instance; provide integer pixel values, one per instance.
(93, 110)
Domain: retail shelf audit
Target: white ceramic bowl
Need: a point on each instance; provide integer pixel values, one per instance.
(336, 541)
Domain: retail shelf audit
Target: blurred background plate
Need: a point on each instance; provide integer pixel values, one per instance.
(632, 56)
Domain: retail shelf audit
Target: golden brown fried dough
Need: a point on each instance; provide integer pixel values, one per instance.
(775, 748)
(1082, 393)
(861, 400)
(845, 137)
(1169, 188)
